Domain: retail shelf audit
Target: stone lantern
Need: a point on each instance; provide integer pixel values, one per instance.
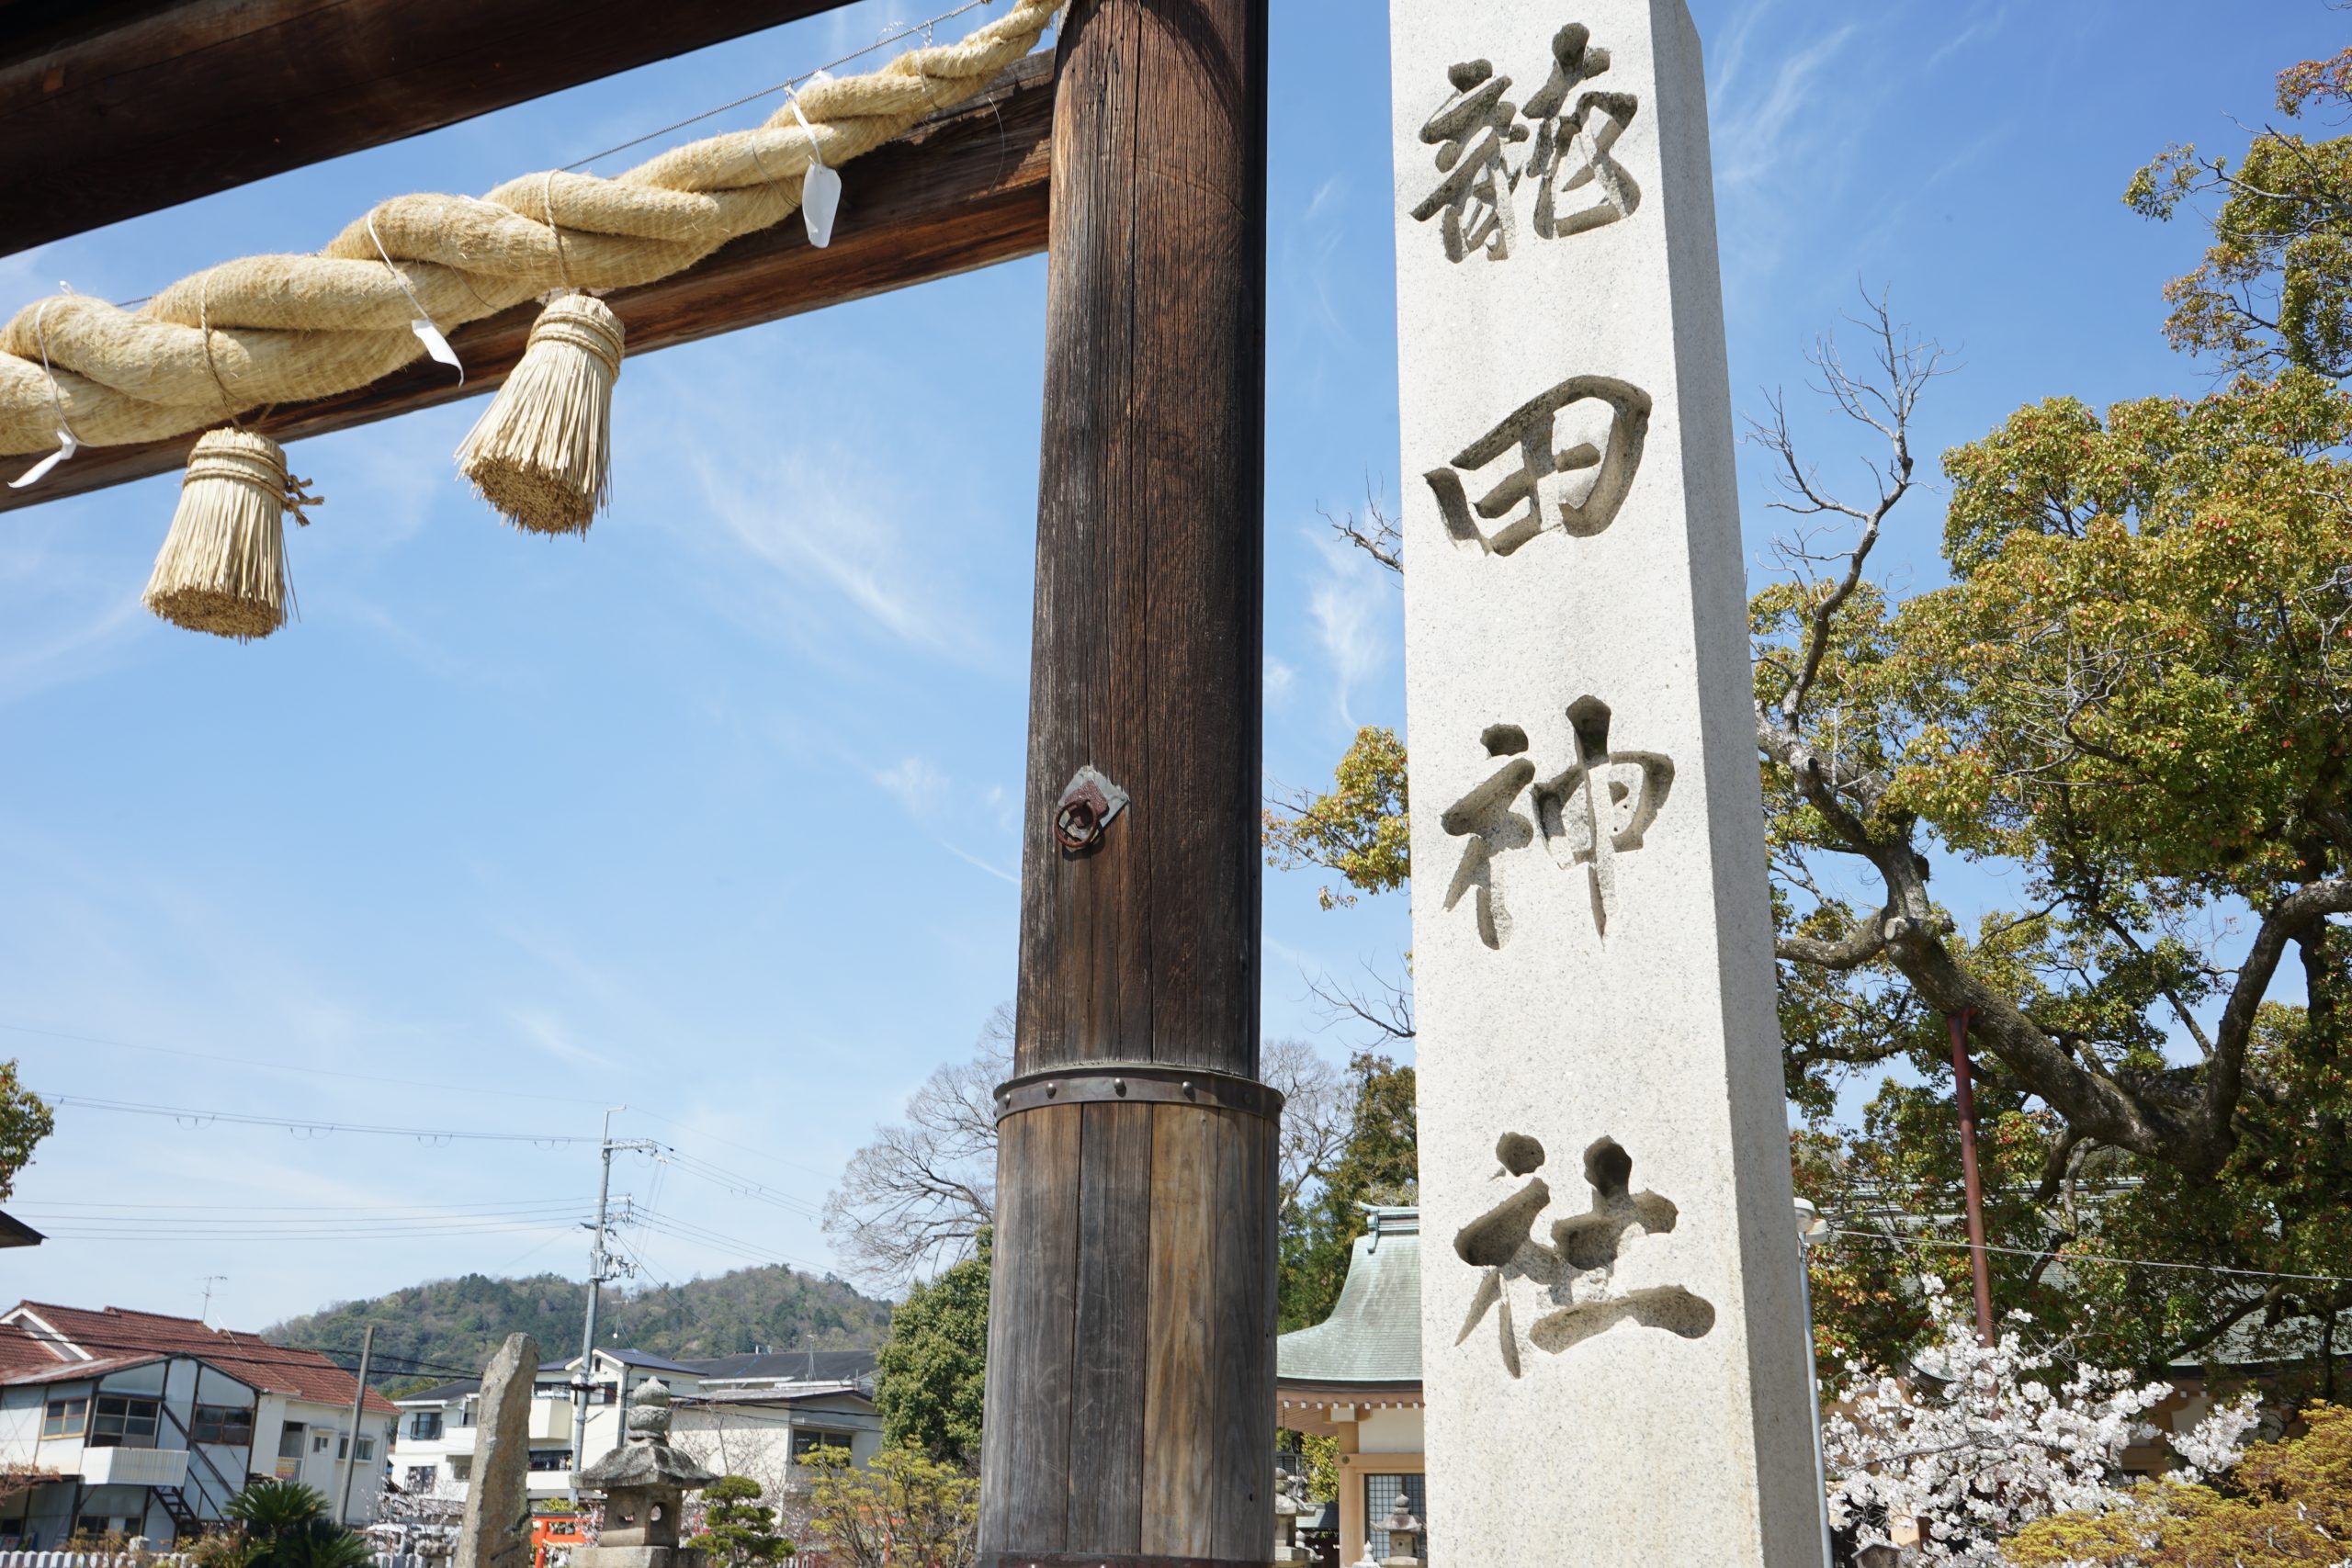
(645, 1482)
(1290, 1502)
(1401, 1527)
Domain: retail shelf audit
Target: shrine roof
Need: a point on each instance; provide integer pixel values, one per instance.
(1372, 1339)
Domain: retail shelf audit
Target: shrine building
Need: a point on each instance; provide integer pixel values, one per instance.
(1357, 1376)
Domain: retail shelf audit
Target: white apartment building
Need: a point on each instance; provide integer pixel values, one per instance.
(760, 1414)
(144, 1425)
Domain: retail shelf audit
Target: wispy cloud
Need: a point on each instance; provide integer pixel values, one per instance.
(1279, 679)
(970, 859)
(1759, 136)
(1350, 606)
(548, 1032)
(75, 653)
(1983, 27)
(917, 784)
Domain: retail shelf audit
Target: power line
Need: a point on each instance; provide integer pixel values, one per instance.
(321, 1208)
(2088, 1258)
(665, 1224)
(740, 1185)
(905, 31)
(313, 1127)
(506, 1227)
(745, 1148)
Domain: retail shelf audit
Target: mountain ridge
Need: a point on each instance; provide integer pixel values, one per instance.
(439, 1329)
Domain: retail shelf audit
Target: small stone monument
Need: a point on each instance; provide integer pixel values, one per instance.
(1290, 1502)
(645, 1482)
(497, 1528)
(1613, 1343)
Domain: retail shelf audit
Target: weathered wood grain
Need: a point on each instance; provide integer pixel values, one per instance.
(1244, 1268)
(109, 109)
(964, 190)
(1148, 651)
(1180, 1501)
(1031, 1292)
(1113, 1302)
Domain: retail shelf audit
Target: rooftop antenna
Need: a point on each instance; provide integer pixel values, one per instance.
(210, 1280)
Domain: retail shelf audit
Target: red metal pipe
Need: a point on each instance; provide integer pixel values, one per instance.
(1966, 1092)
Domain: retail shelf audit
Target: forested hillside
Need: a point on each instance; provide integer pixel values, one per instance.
(443, 1325)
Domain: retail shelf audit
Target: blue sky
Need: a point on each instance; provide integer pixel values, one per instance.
(715, 813)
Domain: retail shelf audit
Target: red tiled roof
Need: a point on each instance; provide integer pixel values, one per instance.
(119, 1338)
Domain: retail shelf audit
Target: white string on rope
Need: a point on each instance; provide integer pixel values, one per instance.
(820, 187)
(547, 200)
(426, 332)
(67, 443)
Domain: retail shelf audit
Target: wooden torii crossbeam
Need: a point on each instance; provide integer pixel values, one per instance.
(109, 109)
(1131, 1386)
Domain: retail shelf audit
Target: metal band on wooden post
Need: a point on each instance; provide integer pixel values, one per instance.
(1115, 1560)
(1113, 1083)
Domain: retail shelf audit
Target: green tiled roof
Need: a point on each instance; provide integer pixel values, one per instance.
(1373, 1335)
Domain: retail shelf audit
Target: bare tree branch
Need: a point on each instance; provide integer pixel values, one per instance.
(915, 1201)
(1386, 1006)
(1884, 399)
(1375, 533)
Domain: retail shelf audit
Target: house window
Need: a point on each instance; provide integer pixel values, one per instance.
(420, 1478)
(65, 1418)
(425, 1425)
(1380, 1501)
(466, 1409)
(319, 1442)
(290, 1440)
(462, 1466)
(366, 1450)
(807, 1443)
(117, 1419)
(228, 1424)
(550, 1459)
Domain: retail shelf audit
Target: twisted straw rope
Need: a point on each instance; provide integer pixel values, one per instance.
(288, 328)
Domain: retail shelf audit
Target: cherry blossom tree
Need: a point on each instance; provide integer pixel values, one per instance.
(1984, 1440)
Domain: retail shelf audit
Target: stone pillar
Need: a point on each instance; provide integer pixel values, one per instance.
(1612, 1338)
(497, 1528)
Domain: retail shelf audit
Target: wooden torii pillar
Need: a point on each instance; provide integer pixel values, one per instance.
(1131, 1340)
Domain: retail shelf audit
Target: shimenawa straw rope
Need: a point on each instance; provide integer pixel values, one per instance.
(292, 327)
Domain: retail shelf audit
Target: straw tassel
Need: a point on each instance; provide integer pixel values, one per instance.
(222, 569)
(542, 452)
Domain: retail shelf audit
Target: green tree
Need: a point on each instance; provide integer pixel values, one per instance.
(2274, 290)
(905, 1510)
(1378, 1164)
(2132, 695)
(2287, 1504)
(284, 1524)
(25, 1120)
(930, 1377)
(738, 1528)
(461, 1322)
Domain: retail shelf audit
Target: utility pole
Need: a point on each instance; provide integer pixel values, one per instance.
(1964, 1085)
(602, 1266)
(358, 1409)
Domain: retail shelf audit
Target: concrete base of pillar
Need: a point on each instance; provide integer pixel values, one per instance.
(636, 1557)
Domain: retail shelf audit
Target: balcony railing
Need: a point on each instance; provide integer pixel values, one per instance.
(134, 1467)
